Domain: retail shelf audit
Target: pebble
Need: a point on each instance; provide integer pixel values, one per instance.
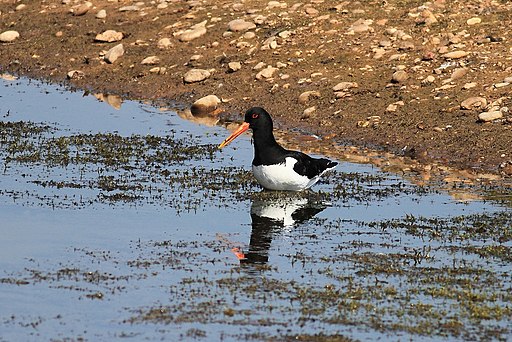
(474, 102)
(164, 43)
(196, 75)
(501, 84)
(490, 116)
(305, 96)
(345, 86)
(392, 107)
(102, 14)
(234, 66)
(399, 76)
(109, 36)
(196, 31)
(268, 72)
(428, 79)
(360, 26)
(114, 53)
(129, 8)
(21, 7)
(249, 35)
(473, 21)
(75, 75)
(158, 70)
(151, 60)
(9, 36)
(308, 112)
(458, 73)
(469, 85)
(205, 106)
(455, 54)
(81, 9)
(238, 25)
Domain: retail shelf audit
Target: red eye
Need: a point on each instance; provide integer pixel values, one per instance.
(255, 116)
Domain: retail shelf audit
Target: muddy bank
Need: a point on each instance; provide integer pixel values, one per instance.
(390, 76)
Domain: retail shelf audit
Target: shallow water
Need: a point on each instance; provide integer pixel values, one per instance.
(129, 223)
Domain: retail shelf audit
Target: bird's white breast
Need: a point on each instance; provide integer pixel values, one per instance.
(282, 176)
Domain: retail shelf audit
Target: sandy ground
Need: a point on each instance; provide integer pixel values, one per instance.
(389, 77)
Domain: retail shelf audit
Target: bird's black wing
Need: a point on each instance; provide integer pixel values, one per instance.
(309, 166)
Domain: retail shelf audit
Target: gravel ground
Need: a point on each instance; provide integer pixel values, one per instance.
(426, 82)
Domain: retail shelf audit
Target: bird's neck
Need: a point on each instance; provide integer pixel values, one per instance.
(265, 147)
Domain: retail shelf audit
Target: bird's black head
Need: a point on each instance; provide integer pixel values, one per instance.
(258, 118)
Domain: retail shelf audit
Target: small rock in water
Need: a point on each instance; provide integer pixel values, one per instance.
(9, 36)
(196, 75)
(490, 116)
(205, 106)
(109, 36)
(113, 54)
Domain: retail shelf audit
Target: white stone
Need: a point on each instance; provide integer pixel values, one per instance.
(114, 53)
(151, 60)
(238, 25)
(345, 86)
(102, 14)
(205, 105)
(9, 36)
(109, 36)
(268, 72)
(196, 75)
(490, 116)
(196, 31)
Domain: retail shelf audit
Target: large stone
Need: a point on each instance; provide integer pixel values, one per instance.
(196, 75)
(205, 106)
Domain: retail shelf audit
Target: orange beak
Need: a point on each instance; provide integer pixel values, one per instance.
(243, 127)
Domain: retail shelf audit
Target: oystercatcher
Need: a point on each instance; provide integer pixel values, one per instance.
(273, 166)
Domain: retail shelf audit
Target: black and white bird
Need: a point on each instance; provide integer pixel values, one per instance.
(273, 166)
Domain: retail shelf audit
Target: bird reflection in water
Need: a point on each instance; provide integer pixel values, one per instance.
(270, 214)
